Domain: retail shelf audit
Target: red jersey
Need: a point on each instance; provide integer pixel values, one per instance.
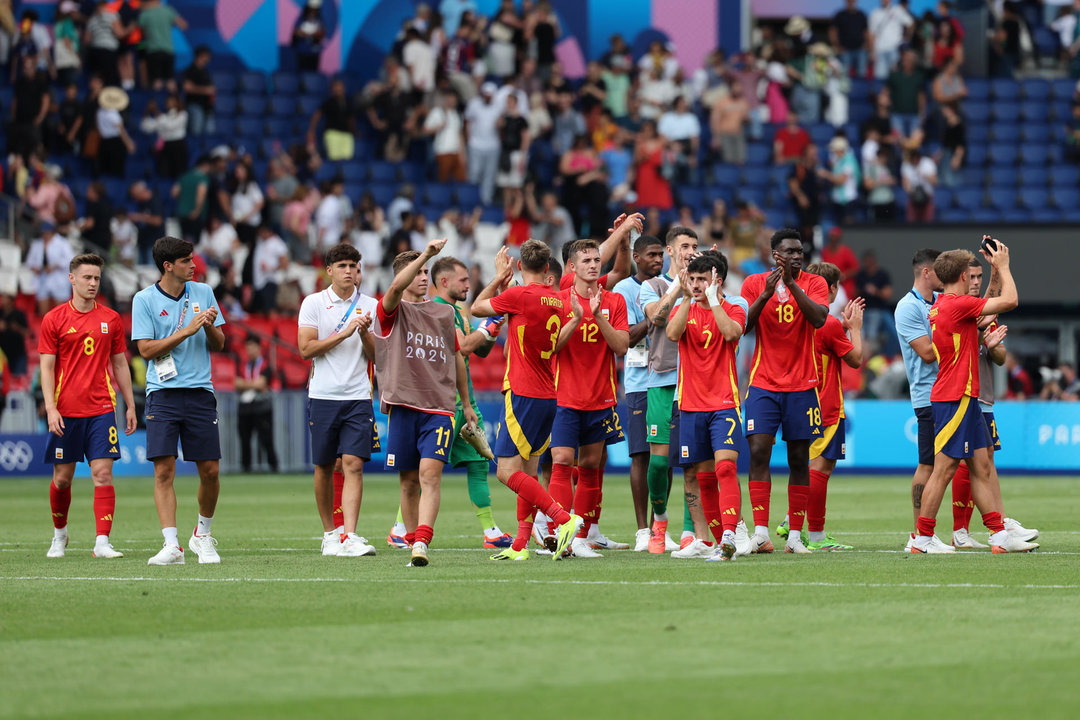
(830, 344)
(534, 313)
(954, 330)
(83, 344)
(585, 373)
(567, 281)
(707, 377)
(784, 355)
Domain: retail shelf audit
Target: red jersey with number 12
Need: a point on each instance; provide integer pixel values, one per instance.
(586, 376)
(830, 344)
(83, 344)
(534, 313)
(954, 330)
(784, 355)
(708, 380)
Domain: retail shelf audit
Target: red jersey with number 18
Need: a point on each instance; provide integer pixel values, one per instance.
(707, 377)
(784, 355)
(586, 376)
(954, 330)
(534, 313)
(83, 343)
(830, 344)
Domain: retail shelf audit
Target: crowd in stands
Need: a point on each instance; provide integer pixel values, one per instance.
(471, 130)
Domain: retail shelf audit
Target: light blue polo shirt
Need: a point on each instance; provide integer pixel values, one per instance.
(912, 322)
(634, 379)
(156, 315)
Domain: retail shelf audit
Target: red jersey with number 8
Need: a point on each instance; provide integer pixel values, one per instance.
(707, 377)
(83, 343)
(534, 313)
(784, 355)
(586, 375)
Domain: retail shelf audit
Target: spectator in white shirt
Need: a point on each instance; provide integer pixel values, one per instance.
(481, 129)
(125, 236)
(419, 58)
(171, 129)
(246, 203)
(682, 131)
(446, 128)
(268, 269)
(48, 258)
(218, 242)
(888, 25)
(330, 217)
(918, 174)
(656, 93)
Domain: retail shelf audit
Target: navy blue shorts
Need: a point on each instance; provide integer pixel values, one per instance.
(524, 430)
(84, 437)
(991, 427)
(577, 428)
(341, 427)
(674, 451)
(188, 415)
(959, 428)
(924, 416)
(637, 404)
(413, 436)
(701, 434)
(797, 412)
(832, 445)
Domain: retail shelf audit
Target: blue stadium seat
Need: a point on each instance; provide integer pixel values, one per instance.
(998, 179)
(116, 189)
(860, 90)
(976, 111)
(723, 192)
(224, 81)
(1062, 88)
(1017, 215)
(752, 196)
(252, 105)
(1032, 176)
(355, 190)
(954, 215)
(224, 125)
(1005, 89)
(224, 104)
(1050, 215)
(1002, 198)
(281, 128)
(283, 105)
(269, 147)
(975, 155)
(1034, 153)
(1034, 198)
(382, 193)
(690, 195)
(821, 133)
(286, 82)
(1035, 132)
(1061, 110)
(727, 175)
(978, 134)
(382, 171)
(1071, 216)
(1036, 90)
(355, 172)
(249, 127)
(968, 198)
(1008, 112)
(1004, 154)
(1055, 153)
(1064, 176)
(943, 197)
(986, 215)
(776, 218)
(978, 90)
(1066, 198)
(308, 104)
(439, 195)
(758, 154)
(252, 82)
(313, 82)
(493, 215)
(1001, 132)
(468, 196)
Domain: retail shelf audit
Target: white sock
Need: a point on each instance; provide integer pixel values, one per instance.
(170, 536)
(331, 534)
(340, 530)
(101, 540)
(204, 525)
(761, 530)
(594, 531)
(662, 517)
(817, 535)
(686, 534)
(60, 532)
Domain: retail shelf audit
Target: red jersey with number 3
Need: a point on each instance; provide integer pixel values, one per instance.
(708, 380)
(784, 355)
(83, 344)
(534, 313)
(585, 372)
(954, 330)
(831, 343)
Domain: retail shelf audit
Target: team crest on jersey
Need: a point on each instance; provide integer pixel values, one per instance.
(59, 453)
(390, 460)
(104, 328)
(750, 425)
(604, 312)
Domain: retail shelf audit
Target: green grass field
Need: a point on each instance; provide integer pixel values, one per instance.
(278, 631)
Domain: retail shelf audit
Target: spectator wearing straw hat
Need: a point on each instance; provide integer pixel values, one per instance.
(116, 144)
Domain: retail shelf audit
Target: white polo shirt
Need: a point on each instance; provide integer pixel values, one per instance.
(345, 372)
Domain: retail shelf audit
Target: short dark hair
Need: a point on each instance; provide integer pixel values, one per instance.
(555, 268)
(827, 270)
(579, 246)
(950, 265)
(445, 265)
(403, 259)
(924, 258)
(645, 241)
(708, 261)
(784, 234)
(341, 251)
(677, 231)
(535, 256)
(85, 259)
(169, 249)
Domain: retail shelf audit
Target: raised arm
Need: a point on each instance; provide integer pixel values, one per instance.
(659, 311)
(1008, 299)
(852, 322)
(676, 326)
(504, 272)
(408, 273)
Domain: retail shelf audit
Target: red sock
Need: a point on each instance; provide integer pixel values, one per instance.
(561, 487)
(529, 488)
(424, 533)
(925, 526)
(599, 499)
(710, 502)
(339, 486)
(993, 522)
(104, 507)
(815, 501)
(961, 497)
(759, 501)
(797, 496)
(586, 497)
(525, 512)
(730, 494)
(410, 537)
(60, 500)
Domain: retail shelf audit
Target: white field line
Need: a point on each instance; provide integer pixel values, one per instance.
(500, 581)
(74, 548)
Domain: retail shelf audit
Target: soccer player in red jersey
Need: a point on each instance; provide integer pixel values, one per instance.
(960, 429)
(534, 321)
(617, 245)
(707, 328)
(594, 331)
(786, 307)
(79, 342)
(831, 347)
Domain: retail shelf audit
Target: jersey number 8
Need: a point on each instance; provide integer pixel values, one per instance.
(88, 346)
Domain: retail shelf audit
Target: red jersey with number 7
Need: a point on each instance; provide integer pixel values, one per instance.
(534, 313)
(83, 343)
(585, 372)
(708, 380)
(784, 354)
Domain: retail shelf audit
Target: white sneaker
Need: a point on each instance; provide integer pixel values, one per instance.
(910, 542)
(725, 552)
(760, 544)
(331, 544)
(583, 548)
(57, 547)
(696, 549)
(168, 555)
(940, 546)
(355, 546)
(962, 540)
(205, 547)
(923, 545)
(641, 540)
(669, 544)
(795, 544)
(419, 555)
(600, 542)
(1010, 544)
(1020, 531)
(742, 540)
(106, 550)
